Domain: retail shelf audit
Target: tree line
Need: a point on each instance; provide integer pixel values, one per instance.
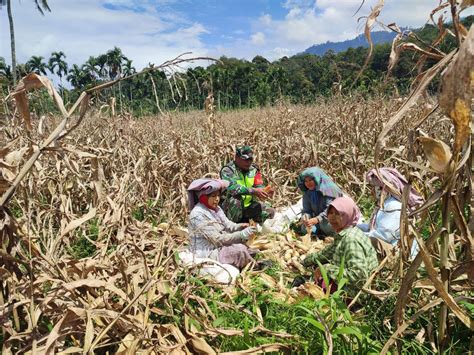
(235, 83)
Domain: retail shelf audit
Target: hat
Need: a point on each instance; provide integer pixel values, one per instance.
(244, 152)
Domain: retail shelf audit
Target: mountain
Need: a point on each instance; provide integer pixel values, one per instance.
(359, 41)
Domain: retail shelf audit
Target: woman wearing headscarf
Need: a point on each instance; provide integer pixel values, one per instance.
(384, 227)
(350, 247)
(212, 235)
(319, 190)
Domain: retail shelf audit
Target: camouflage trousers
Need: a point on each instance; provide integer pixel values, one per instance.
(257, 211)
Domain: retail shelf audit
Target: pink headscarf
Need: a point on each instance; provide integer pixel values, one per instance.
(201, 187)
(397, 181)
(348, 211)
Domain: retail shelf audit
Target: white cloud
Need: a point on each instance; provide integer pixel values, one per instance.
(290, 4)
(257, 39)
(340, 4)
(309, 22)
(266, 19)
(280, 52)
(84, 28)
(150, 31)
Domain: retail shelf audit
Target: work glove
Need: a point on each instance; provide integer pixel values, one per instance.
(247, 232)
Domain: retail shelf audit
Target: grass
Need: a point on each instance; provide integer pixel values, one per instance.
(297, 319)
(83, 246)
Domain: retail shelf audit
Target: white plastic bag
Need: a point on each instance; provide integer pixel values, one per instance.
(293, 212)
(280, 223)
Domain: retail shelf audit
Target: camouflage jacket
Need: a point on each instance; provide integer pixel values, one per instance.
(237, 192)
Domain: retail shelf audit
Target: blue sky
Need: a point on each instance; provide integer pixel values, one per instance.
(158, 30)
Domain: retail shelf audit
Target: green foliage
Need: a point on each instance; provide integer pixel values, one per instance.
(306, 319)
(377, 314)
(148, 212)
(366, 205)
(237, 83)
(83, 246)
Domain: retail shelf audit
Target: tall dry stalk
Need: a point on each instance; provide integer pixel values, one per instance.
(455, 100)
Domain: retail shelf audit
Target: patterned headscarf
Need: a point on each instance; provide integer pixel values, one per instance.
(201, 187)
(396, 184)
(348, 210)
(324, 183)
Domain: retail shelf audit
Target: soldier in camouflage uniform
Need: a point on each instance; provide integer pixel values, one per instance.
(240, 202)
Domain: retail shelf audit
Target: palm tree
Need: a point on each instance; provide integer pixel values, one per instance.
(100, 64)
(90, 67)
(12, 39)
(76, 76)
(6, 76)
(59, 67)
(114, 59)
(42, 6)
(36, 65)
(21, 70)
(3, 67)
(127, 68)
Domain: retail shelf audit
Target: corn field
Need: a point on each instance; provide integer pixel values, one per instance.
(93, 211)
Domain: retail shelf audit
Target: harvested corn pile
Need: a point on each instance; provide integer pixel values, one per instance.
(287, 250)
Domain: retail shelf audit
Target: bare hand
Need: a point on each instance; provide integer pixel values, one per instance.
(317, 274)
(269, 190)
(244, 225)
(261, 193)
(311, 222)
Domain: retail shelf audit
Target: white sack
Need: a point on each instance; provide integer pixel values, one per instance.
(221, 273)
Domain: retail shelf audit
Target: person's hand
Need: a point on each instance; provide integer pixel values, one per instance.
(247, 232)
(269, 190)
(310, 222)
(261, 193)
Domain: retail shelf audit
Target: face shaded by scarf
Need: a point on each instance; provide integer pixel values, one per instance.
(348, 210)
(392, 181)
(324, 183)
(204, 199)
(204, 187)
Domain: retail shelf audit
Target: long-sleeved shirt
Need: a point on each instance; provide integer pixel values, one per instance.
(387, 224)
(209, 230)
(233, 202)
(352, 246)
(232, 173)
(316, 206)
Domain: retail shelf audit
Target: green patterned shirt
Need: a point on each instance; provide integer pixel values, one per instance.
(352, 246)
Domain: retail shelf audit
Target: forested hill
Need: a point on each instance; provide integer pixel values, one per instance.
(378, 37)
(239, 83)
